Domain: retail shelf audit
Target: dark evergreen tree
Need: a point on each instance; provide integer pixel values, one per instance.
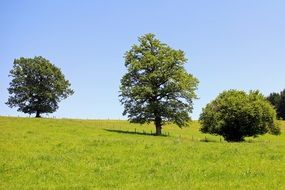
(278, 101)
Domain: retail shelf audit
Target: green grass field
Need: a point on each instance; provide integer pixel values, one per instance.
(94, 154)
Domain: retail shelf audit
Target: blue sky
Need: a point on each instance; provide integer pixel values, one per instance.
(229, 44)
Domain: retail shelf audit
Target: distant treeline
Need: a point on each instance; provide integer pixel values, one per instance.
(278, 101)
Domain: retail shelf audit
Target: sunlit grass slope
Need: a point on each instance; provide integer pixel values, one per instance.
(94, 154)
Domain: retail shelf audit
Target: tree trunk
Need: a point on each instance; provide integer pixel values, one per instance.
(38, 115)
(158, 126)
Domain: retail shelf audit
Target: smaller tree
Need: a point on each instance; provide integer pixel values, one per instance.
(235, 114)
(37, 86)
(278, 101)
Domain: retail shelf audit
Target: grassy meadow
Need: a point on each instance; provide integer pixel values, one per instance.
(108, 154)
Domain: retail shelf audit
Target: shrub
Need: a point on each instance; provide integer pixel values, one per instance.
(235, 114)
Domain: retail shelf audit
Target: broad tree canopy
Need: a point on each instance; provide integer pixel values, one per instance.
(156, 87)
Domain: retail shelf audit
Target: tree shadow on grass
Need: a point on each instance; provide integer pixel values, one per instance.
(134, 132)
(206, 140)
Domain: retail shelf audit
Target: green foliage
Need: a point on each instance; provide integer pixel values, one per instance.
(235, 115)
(278, 101)
(37, 86)
(156, 87)
(82, 154)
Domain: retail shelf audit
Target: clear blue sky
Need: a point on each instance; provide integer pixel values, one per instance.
(229, 44)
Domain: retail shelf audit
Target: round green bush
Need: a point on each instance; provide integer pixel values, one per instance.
(236, 114)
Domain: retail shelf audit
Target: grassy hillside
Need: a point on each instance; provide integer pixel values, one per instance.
(88, 154)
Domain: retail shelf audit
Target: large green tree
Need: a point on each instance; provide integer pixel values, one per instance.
(156, 87)
(235, 114)
(278, 101)
(37, 86)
